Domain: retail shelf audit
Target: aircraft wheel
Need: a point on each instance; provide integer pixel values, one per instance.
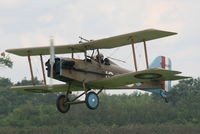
(61, 104)
(92, 100)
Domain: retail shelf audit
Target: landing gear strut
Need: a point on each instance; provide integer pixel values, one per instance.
(91, 100)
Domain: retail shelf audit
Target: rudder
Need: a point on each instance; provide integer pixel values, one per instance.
(164, 63)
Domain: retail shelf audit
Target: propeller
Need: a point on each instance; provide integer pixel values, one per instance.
(52, 61)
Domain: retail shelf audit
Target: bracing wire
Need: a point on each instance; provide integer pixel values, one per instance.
(113, 52)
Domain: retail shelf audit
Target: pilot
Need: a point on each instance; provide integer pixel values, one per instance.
(100, 57)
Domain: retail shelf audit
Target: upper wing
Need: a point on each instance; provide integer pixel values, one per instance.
(137, 77)
(45, 88)
(106, 43)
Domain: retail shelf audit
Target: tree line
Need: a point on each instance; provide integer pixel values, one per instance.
(135, 113)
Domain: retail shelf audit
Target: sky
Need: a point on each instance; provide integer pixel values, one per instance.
(30, 23)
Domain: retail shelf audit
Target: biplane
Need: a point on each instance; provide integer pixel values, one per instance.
(95, 73)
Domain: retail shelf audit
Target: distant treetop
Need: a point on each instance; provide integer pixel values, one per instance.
(5, 61)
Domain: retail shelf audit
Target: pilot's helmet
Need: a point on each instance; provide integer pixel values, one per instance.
(99, 56)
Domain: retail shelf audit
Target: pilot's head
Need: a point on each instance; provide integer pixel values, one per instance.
(99, 57)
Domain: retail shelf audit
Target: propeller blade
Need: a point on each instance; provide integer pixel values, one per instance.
(52, 60)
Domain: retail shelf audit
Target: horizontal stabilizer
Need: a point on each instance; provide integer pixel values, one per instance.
(137, 77)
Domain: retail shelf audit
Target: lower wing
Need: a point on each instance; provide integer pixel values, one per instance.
(46, 88)
(150, 78)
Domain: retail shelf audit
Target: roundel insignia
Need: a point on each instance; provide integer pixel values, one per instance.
(37, 90)
(148, 76)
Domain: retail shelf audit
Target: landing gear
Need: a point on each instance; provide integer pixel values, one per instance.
(62, 104)
(92, 100)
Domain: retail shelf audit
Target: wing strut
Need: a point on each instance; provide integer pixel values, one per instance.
(146, 56)
(43, 72)
(134, 56)
(31, 69)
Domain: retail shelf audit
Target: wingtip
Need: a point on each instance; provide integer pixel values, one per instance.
(154, 29)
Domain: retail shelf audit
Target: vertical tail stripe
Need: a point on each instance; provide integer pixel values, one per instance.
(163, 66)
(168, 83)
(163, 62)
(167, 63)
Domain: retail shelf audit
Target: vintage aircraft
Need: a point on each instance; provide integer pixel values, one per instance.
(96, 72)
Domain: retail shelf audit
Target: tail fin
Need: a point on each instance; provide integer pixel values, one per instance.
(165, 63)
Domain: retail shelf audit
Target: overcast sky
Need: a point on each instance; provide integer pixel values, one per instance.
(25, 23)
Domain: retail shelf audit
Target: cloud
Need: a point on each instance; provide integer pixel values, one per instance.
(33, 39)
(11, 3)
(45, 19)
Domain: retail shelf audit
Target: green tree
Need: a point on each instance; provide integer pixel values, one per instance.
(135, 113)
(5, 82)
(5, 61)
(25, 82)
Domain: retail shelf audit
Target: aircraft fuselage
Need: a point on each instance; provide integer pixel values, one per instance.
(69, 69)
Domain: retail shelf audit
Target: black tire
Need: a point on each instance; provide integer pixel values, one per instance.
(61, 104)
(92, 100)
